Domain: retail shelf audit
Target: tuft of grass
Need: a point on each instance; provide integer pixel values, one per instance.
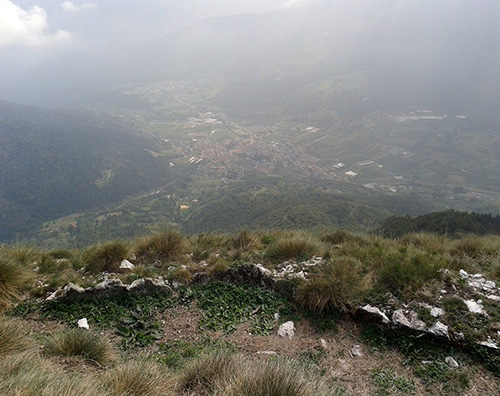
(406, 272)
(246, 241)
(293, 247)
(138, 378)
(78, 342)
(12, 338)
(338, 237)
(181, 275)
(27, 374)
(107, 257)
(431, 242)
(276, 377)
(336, 287)
(13, 278)
(207, 373)
(165, 246)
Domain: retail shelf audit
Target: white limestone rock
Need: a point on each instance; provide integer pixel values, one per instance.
(125, 264)
(356, 351)
(439, 329)
(374, 311)
(83, 324)
(287, 330)
(451, 362)
(475, 307)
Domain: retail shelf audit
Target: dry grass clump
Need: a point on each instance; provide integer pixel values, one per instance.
(293, 247)
(476, 246)
(107, 257)
(431, 242)
(12, 338)
(13, 278)
(205, 245)
(275, 377)
(338, 237)
(165, 246)
(27, 375)
(336, 287)
(208, 373)
(78, 342)
(138, 378)
(181, 275)
(246, 241)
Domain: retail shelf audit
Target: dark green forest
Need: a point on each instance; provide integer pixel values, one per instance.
(57, 162)
(449, 222)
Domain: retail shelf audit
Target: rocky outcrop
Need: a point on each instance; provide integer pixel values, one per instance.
(111, 288)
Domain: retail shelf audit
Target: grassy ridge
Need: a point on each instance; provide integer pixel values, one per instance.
(126, 352)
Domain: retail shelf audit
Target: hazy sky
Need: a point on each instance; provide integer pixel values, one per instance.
(36, 23)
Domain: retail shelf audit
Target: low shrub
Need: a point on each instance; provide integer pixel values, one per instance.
(336, 287)
(78, 342)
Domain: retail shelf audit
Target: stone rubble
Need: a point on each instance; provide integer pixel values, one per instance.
(111, 287)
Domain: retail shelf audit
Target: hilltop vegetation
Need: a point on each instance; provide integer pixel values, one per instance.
(450, 222)
(212, 329)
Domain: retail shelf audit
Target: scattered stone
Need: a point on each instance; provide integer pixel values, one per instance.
(356, 351)
(297, 275)
(399, 319)
(287, 329)
(323, 343)
(439, 329)
(493, 297)
(489, 343)
(460, 336)
(451, 362)
(427, 362)
(132, 257)
(375, 312)
(478, 281)
(264, 270)
(83, 324)
(125, 264)
(437, 312)
(475, 307)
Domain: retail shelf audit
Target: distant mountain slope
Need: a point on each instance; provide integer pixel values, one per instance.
(396, 55)
(450, 222)
(57, 162)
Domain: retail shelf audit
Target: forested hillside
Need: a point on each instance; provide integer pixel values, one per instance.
(450, 222)
(59, 162)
